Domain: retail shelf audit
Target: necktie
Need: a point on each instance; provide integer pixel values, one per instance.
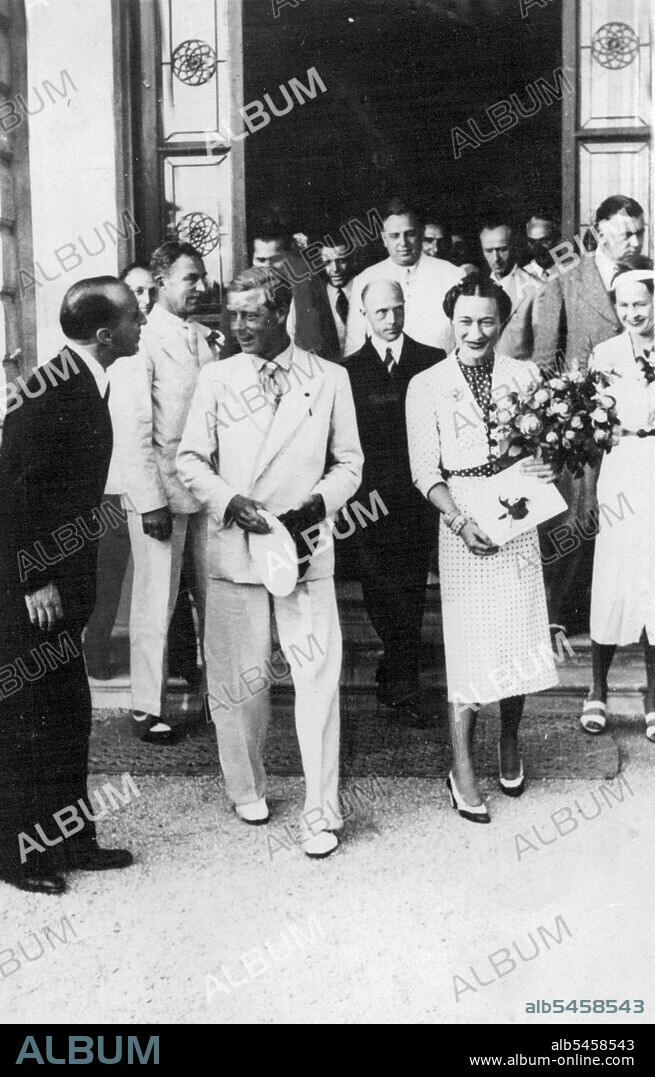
(270, 384)
(215, 339)
(106, 396)
(342, 305)
(389, 360)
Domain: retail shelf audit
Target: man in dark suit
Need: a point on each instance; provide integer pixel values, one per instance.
(332, 303)
(54, 460)
(311, 323)
(390, 554)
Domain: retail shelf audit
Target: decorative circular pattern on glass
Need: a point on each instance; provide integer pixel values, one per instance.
(614, 45)
(194, 62)
(200, 230)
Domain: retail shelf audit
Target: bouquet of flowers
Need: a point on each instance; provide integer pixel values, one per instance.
(569, 421)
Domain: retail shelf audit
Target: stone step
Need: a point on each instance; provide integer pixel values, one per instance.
(362, 650)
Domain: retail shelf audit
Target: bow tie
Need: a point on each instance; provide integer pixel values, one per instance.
(215, 339)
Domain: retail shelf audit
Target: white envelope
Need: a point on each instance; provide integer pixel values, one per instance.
(512, 502)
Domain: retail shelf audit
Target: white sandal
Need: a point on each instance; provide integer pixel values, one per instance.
(650, 725)
(594, 717)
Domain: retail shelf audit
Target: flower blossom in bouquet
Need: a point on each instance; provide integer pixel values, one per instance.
(569, 420)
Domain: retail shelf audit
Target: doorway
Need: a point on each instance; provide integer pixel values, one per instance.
(400, 78)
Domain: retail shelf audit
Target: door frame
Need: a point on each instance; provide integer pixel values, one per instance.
(140, 182)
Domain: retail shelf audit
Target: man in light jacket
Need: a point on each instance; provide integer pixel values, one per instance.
(155, 390)
(272, 428)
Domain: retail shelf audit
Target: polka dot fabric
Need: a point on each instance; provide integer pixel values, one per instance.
(495, 621)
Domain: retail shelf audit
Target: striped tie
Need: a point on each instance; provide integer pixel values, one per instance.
(270, 384)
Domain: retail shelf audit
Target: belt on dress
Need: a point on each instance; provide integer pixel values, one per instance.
(481, 469)
(638, 433)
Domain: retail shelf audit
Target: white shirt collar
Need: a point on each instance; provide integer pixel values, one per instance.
(501, 281)
(381, 346)
(98, 371)
(347, 288)
(404, 272)
(605, 267)
(284, 359)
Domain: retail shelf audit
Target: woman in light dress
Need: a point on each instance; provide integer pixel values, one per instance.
(495, 622)
(623, 586)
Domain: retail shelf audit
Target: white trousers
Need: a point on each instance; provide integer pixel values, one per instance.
(240, 671)
(157, 568)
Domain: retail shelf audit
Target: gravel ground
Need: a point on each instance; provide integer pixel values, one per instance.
(394, 927)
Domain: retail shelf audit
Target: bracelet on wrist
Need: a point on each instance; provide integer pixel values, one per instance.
(456, 521)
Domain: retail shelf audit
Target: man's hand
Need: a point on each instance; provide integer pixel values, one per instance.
(244, 512)
(158, 524)
(45, 606)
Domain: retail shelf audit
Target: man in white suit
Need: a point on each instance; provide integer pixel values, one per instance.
(272, 428)
(424, 281)
(152, 393)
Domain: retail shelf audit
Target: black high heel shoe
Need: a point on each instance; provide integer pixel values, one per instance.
(475, 814)
(511, 787)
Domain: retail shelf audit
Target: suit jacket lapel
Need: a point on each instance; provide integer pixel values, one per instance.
(326, 317)
(174, 346)
(294, 409)
(407, 365)
(593, 292)
(233, 407)
(521, 292)
(88, 386)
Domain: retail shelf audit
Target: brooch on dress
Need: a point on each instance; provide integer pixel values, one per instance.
(456, 393)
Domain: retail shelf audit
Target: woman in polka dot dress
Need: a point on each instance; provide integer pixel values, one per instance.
(495, 621)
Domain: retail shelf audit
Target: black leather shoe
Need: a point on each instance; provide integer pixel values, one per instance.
(39, 882)
(146, 727)
(99, 859)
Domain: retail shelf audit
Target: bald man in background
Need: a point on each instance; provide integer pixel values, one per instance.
(391, 554)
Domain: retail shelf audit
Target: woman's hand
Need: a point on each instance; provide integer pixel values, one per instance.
(540, 470)
(476, 540)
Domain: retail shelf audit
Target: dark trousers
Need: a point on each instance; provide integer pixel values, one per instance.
(567, 553)
(45, 724)
(393, 576)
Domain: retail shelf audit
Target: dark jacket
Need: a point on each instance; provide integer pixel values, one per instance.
(315, 328)
(380, 407)
(54, 461)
